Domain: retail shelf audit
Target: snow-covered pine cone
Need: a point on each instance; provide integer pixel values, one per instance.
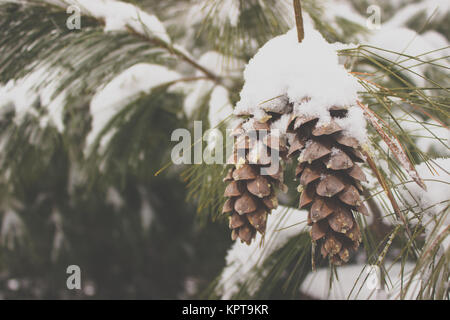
(251, 194)
(329, 182)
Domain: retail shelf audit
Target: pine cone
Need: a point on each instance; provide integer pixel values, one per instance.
(251, 193)
(329, 182)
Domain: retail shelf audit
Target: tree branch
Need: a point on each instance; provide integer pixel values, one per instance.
(210, 75)
(299, 20)
(178, 53)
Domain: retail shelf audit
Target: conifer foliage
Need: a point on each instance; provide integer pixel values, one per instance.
(340, 162)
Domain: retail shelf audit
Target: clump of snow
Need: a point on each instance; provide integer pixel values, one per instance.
(118, 15)
(309, 69)
(307, 75)
(138, 79)
(39, 87)
(360, 282)
(242, 260)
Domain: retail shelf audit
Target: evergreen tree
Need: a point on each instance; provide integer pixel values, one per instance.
(92, 90)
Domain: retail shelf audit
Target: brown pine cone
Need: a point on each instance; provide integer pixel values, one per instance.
(251, 192)
(329, 183)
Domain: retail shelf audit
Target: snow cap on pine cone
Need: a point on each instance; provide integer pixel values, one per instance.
(307, 75)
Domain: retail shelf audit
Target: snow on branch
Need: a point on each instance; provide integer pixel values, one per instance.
(220, 105)
(23, 94)
(361, 282)
(118, 16)
(242, 260)
(307, 74)
(433, 203)
(111, 99)
(121, 16)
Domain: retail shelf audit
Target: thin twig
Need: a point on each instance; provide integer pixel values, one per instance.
(378, 226)
(393, 144)
(299, 20)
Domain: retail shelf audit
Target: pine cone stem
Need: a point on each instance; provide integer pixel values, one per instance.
(299, 20)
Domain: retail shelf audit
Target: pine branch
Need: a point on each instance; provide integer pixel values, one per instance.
(210, 75)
